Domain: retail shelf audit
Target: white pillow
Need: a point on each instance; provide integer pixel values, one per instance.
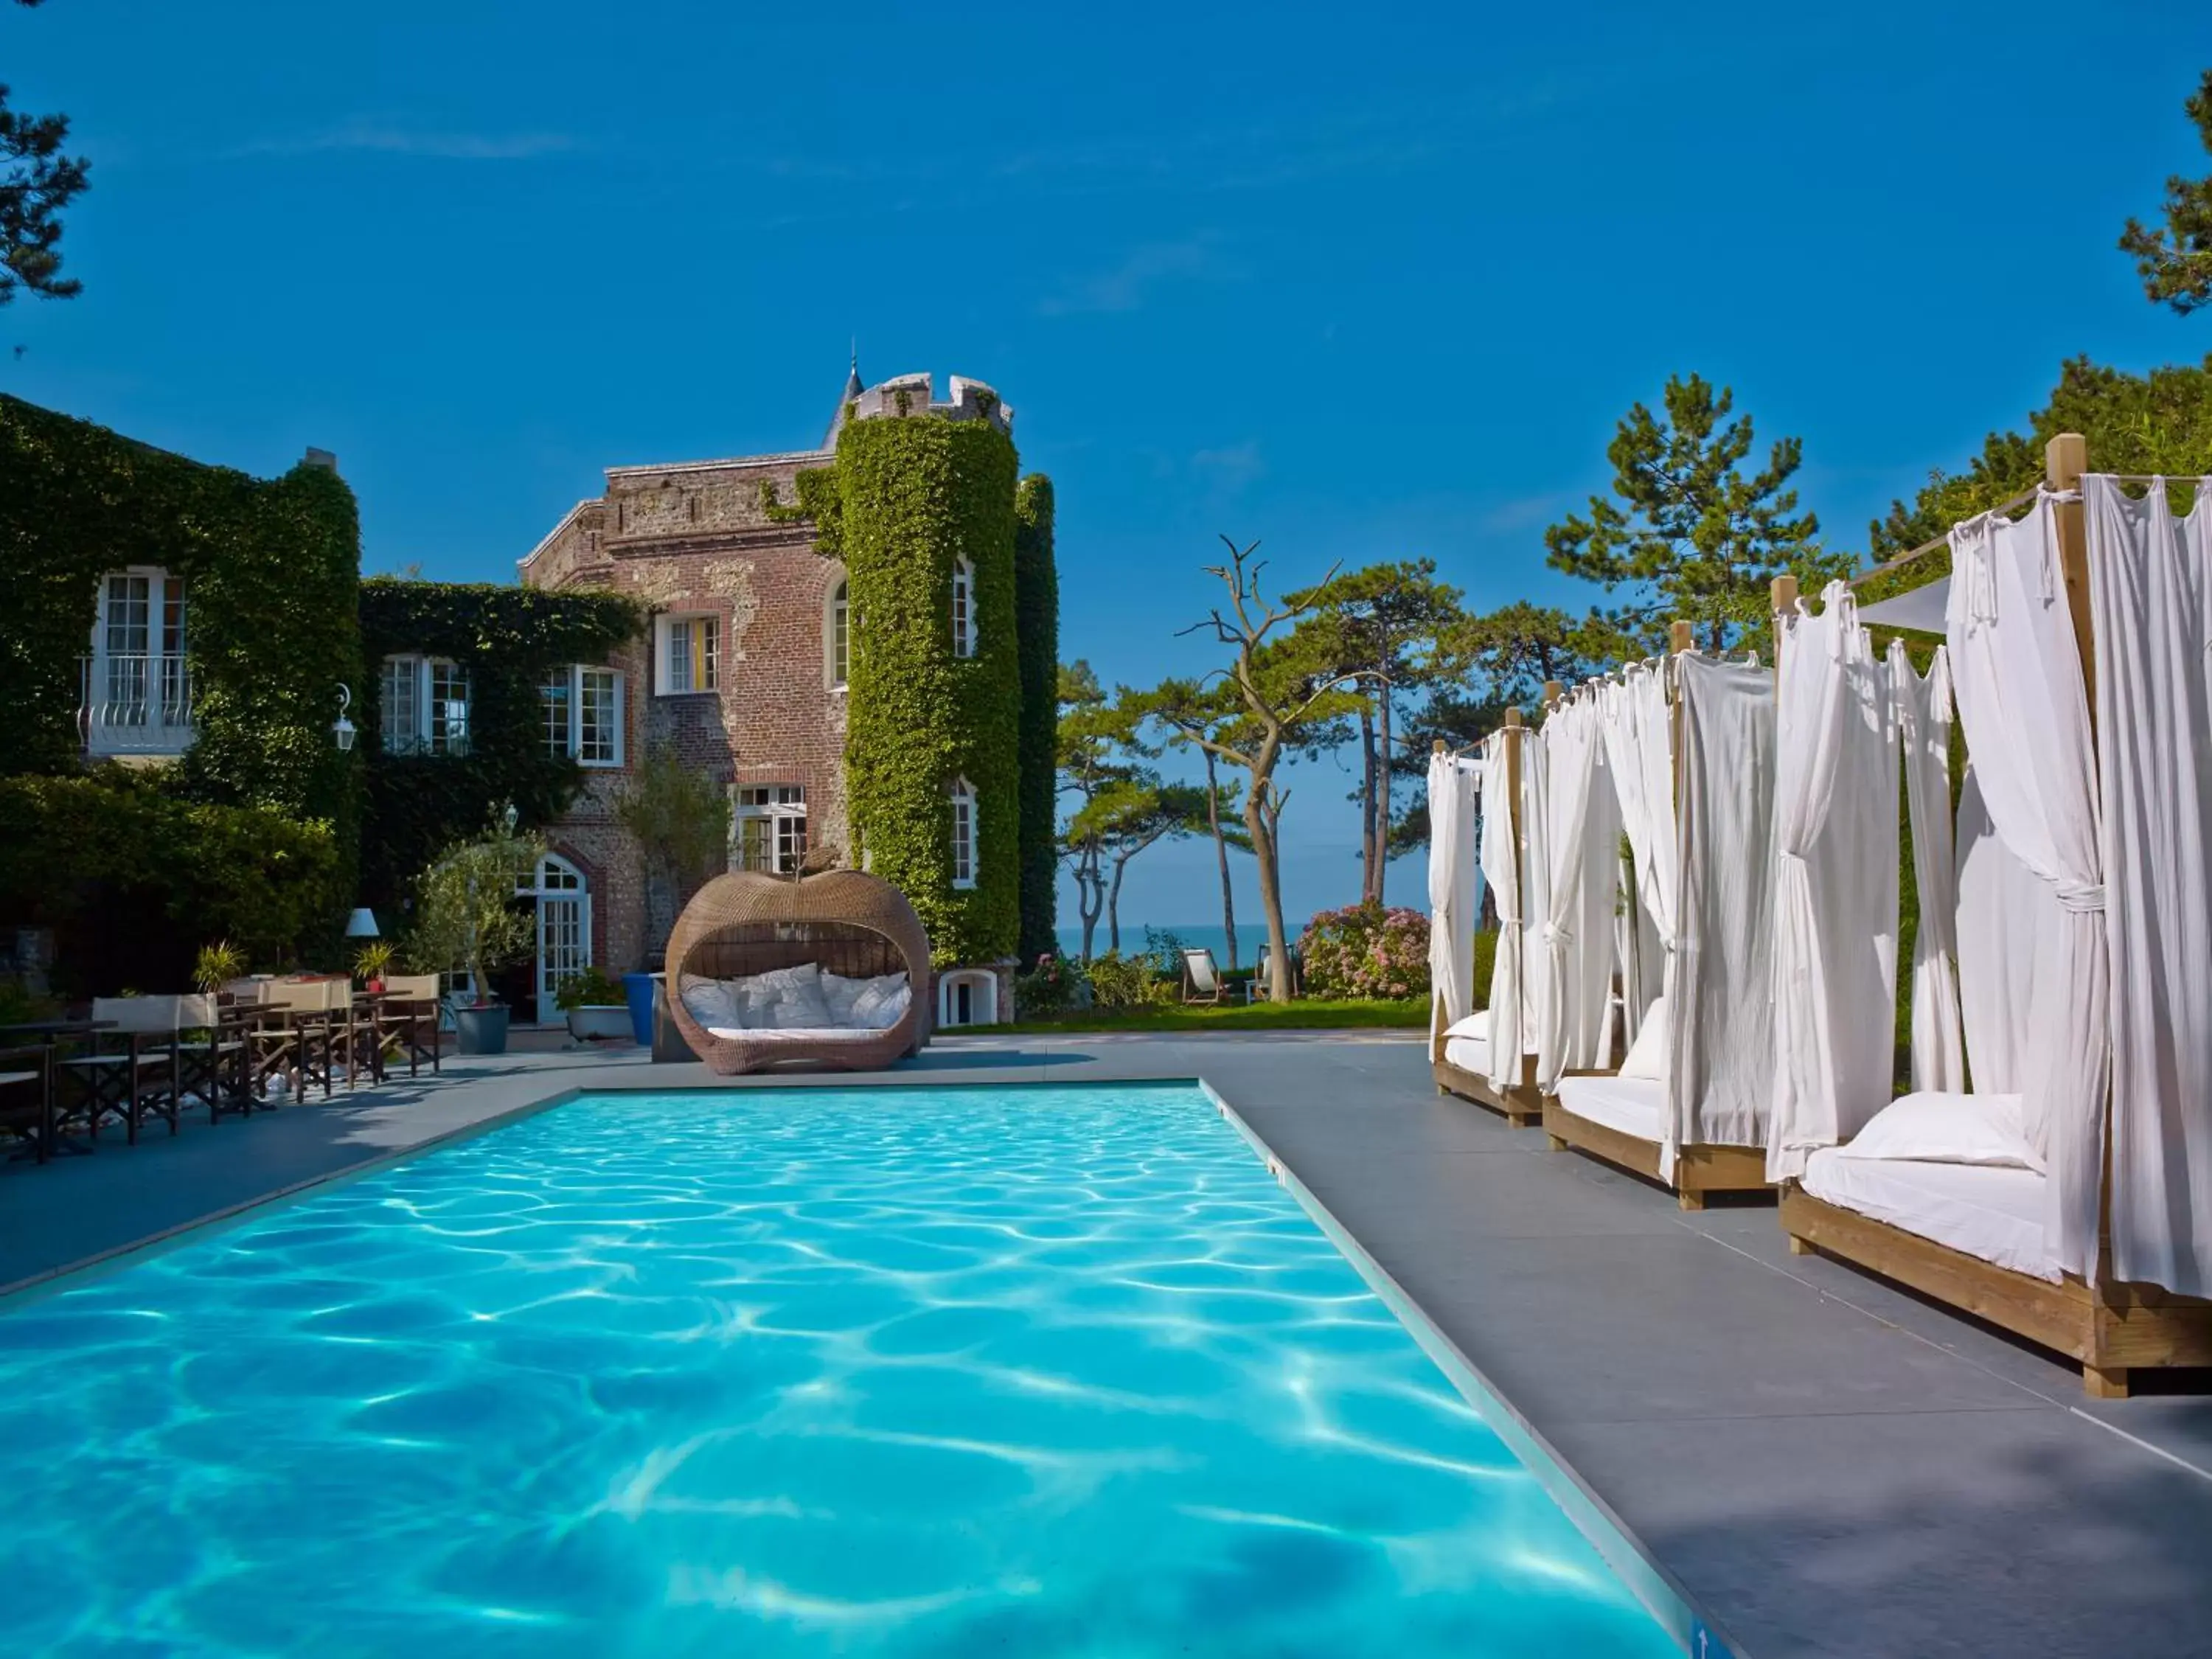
(784, 998)
(880, 1003)
(1947, 1129)
(711, 1002)
(1476, 1024)
(839, 992)
(1647, 1055)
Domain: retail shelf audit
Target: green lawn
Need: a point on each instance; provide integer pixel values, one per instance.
(1306, 1014)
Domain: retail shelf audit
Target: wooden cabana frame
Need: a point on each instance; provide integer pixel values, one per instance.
(1520, 1104)
(1700, 1170)
(2111, 1328)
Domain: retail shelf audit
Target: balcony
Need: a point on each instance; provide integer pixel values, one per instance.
(136, 703)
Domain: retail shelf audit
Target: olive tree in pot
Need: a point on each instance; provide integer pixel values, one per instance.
(466, 915)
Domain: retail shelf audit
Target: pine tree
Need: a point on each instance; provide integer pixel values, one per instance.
(37, 181)
(2175, 260)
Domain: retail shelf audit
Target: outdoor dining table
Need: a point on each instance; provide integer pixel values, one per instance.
(53, 1033)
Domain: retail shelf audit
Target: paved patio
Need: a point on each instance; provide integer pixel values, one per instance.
(1829, 1466)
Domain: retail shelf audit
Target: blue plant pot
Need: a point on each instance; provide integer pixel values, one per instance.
(638, 987)
(481, 1031)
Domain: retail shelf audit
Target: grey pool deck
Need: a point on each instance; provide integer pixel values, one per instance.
(1827, 1464)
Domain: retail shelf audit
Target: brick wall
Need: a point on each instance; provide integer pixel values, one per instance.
(696, 538)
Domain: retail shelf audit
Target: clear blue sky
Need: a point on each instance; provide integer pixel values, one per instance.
(1364, 284)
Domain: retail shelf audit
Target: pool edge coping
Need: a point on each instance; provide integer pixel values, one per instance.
(1663, 1595)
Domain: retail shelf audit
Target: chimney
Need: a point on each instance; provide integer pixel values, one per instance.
(321, 458)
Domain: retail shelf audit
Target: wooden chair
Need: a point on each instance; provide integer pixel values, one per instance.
(1261, 983)
(409, 1019)
(126, 1072)
(26, 1097)
(212, 1055)
(1202, 980)
(296, 1033)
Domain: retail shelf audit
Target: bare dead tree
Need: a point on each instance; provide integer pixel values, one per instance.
(1278, 702)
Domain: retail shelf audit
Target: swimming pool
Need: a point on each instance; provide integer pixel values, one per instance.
(870, 1372)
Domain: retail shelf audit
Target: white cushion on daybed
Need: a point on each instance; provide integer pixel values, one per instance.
(1933, 1128)
(1630, 1104)
(784, 1000)
(1984, 1210)
(798, 1002)
(1467, 1042)
(874, 1005)
(1647, 1055)
(792, 1034)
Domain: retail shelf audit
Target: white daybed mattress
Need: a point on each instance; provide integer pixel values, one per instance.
(795, 1034)
(1469, 1053)
(1985, 1210)
(1630, 1104)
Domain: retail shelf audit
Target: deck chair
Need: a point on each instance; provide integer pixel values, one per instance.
(123, 1073)
(296, 1033)
(410, 1020)
(1261, 982)
(1202, 980)
(27, 1099)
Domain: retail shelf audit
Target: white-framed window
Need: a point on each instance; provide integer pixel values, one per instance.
(138, 689)
(838, 635)
(963, 608)
(963, 832)
(767, 826)
(423, 706)
(583, 714)
(688, 652)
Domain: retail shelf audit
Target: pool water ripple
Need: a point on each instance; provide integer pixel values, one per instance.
(881, 1371)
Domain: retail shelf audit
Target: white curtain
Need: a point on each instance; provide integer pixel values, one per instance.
(2016, 673)
(1501, 868)
(1455, 894)
(2007, 921)
(1636, 724)
(1835, 892)
(1923, 722)
(2150, 584)
(1582, 833)
(1720, 979)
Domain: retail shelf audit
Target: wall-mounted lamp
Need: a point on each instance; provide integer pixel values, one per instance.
(342, 728)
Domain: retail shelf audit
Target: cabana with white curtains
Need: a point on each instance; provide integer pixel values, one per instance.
(1479, 1054)
(2084, 949)
(1688, 1106)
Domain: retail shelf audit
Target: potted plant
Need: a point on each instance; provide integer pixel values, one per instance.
(465, 913)
(216, 965)
(371, 963)
(596, 1008)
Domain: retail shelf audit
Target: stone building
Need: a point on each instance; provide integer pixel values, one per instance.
(746, 673)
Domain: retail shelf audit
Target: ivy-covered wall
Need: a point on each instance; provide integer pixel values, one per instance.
(271, 568)
(1036, 610)
(509, 638)
(914, 492)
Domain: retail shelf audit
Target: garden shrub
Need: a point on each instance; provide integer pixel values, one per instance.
(1366, 951)
(133, 879)
(1120, 981)
(1053, 986)
(1486, 964)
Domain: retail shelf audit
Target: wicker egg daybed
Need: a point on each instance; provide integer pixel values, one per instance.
(850, 926)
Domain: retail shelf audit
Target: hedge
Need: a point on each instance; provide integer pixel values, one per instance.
(133, 879)
(1036, 608)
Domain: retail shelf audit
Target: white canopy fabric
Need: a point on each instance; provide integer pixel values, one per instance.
(1835, 898)
(1923, 722)
(1536, 885)
(1920, 610)
(2007, 921)
(1454, 890)
(2016, 673)
(1720, 979)
(2150, 584)
(1639, 752)
(1501, 868)
(1582, 835)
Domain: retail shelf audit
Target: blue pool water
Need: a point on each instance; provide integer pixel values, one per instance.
(887, 1371)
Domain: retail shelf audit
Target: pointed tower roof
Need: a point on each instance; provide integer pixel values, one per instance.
(853, 389)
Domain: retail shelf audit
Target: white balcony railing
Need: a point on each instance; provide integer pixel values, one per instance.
(136, 703)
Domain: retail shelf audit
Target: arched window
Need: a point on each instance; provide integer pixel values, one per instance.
(838, 635)
(963, 832)
(963, 608)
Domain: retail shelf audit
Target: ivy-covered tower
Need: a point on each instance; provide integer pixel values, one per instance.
(927, 517)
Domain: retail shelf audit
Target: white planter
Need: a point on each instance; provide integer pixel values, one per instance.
(608, 1023)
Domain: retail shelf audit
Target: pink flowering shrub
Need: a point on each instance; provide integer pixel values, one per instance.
(1366, 950)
